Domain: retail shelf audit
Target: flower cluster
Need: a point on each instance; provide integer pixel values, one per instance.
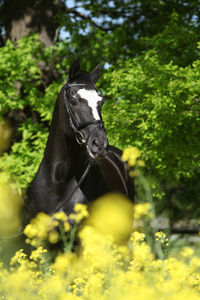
(103, 270)
(107, 265)
(162, 238)
(133, 158)
(81, 213)
(143, 210)
(44, 228)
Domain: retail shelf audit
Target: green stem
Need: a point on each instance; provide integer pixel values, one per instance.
(63, 236)
(72, 237)
(154, 228)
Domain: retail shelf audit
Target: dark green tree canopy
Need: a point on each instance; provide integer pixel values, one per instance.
(133, 27)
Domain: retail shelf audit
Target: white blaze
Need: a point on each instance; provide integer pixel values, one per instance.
(92, 98)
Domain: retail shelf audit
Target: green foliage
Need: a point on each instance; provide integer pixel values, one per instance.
(156, 108)
(18, 68)
(109, 30)
(20, 89)
(177, 42)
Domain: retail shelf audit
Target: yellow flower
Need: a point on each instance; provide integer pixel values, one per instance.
(78, 286)
(137, 237)
(131, 156)
(187, 252)
(39, 229)
(112, 215)
(18, 257)
(61, 216)
(105, 267)
(162, 238)
(81, 213)
(54, 237)
(5, 135)
(64, 261)
(66, 226)
(96, 248)
(142, 256)
(10, 210)
(143, 210)
(38, 255)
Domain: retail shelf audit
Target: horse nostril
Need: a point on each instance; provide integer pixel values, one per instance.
(95, 142)
(95, 146)
(98, 148)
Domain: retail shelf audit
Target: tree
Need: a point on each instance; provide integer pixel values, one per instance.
(25, 17)
(134, 26)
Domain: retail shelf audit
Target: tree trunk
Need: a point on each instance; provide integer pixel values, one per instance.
(23, 17)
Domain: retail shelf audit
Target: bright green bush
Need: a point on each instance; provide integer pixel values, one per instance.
(20, 82)
(156, 107)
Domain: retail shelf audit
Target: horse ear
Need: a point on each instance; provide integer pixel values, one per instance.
(94, 75)
(74, 70)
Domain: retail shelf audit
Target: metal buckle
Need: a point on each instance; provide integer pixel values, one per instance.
(80, 138)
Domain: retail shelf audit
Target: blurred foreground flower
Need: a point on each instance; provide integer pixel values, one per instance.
(132, 157)
(103, 268)
(5, 135)
(44, 228)
(112, 215)
(81, 213)
(10, 210)
(10, 200)
(143, 210)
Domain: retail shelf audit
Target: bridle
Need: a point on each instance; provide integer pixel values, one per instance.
(76, 126)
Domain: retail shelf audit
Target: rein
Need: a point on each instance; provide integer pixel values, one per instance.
(59, 206)
(74, 190)
(11, 236)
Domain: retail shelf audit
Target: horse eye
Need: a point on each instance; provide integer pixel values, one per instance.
(100, 104)
(73, 102)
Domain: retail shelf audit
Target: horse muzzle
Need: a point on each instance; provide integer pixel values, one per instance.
(96, 141)
(97, 144)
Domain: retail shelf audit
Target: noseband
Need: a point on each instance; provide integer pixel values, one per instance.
(76, 126)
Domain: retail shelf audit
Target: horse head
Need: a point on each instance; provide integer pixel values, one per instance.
(83, 107)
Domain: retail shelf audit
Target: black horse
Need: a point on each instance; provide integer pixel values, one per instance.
(78, 164)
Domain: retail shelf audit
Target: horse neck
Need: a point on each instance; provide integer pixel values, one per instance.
(59, 147)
